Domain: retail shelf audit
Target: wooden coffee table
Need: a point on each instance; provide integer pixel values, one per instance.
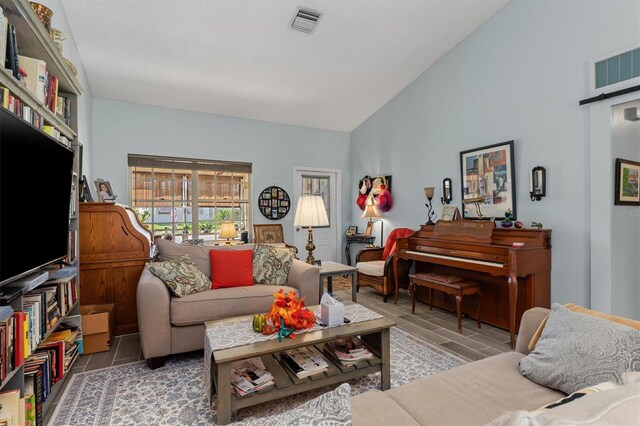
(374, 333)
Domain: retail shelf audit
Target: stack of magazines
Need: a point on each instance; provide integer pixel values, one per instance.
(248, 376)
(347, 351)
(304, 362)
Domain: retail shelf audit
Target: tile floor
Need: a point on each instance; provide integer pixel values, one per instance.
(438, 327)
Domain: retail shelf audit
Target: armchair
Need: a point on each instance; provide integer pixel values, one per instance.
(375, 265)
(270, 234)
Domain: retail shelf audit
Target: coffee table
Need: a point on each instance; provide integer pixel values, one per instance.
(233, 339)
(331, 269)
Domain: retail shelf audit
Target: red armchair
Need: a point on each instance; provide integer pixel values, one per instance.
(375, 265)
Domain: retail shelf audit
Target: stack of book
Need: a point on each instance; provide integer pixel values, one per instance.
(347, 351)
(250, 376)
(304, 362)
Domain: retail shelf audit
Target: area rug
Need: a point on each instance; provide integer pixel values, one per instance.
(132, 394)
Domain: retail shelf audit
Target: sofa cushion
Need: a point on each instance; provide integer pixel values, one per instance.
(222, 303)
(576, 351)
(374, 268)
(231, 268)
(168, 250)
(181, 276)
(473, 393)
(620, 406)
(378, 408)
(271, 264)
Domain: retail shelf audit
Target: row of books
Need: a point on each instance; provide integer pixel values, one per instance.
(49, 363)
(248, 376)
(16, 410)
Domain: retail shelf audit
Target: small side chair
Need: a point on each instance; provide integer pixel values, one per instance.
(375, 265)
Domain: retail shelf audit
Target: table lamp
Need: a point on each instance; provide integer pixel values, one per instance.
(431, 215)
(371, 212)
(228, 231)
(310, 212)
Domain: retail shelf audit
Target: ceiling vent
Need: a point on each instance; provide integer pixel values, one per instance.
(305, 20)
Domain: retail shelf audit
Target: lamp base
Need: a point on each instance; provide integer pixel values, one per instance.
(310, 247)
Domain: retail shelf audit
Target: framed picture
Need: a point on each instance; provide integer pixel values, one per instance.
(627, 174)
(86, 196)
(105, 193)
(352, 230)
(369, 229)
(317, 262)
(488, 181)
(450, 213)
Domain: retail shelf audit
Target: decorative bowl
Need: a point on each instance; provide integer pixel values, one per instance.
(44, 14)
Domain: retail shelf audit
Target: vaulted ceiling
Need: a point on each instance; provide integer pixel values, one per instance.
(240, 58)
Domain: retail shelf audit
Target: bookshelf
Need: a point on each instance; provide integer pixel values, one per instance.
(34, 41)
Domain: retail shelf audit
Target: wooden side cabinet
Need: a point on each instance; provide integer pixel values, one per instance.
(113, 253)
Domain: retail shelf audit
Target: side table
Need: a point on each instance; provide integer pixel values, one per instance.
(330, 269)
(359, 239)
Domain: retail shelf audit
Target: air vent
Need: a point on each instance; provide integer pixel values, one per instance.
(305, 20)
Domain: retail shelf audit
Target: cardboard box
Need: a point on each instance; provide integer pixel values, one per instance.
(97, 327)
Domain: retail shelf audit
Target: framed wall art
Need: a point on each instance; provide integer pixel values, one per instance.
(488, 181)
(274, 202)
(626, 189)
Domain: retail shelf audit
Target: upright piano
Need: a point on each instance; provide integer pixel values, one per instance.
(513, 265)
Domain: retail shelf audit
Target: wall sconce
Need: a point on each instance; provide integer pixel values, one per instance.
(431, 215)
(446, 191)
(538, 183)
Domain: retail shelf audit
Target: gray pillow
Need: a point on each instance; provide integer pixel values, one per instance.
(576, 351)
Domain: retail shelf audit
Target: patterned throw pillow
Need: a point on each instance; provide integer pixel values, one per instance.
(181, 276)
(271, 264)
(576, 351)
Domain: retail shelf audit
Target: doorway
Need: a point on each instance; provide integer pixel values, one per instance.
(322, 182)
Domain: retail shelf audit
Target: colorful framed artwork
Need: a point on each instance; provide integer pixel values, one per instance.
(488, 181)
(627, 173)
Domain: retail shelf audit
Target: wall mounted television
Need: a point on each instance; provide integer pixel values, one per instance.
(35, 192)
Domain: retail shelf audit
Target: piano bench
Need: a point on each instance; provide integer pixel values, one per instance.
(459, 289)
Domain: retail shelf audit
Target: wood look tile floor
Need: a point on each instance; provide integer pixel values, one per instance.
(436, 326)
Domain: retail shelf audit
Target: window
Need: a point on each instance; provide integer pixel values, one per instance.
(190, 198)
(318, 185)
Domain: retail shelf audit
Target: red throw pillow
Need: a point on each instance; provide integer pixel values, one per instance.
(231, 268)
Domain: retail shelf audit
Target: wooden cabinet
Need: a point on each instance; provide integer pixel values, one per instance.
(114, 248)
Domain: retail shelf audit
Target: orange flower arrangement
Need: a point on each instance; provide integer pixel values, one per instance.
(291, 310)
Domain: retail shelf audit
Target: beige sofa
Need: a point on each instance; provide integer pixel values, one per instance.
(481, 391)
(171, 325)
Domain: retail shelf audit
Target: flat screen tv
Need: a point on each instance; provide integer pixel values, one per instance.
(35, 192)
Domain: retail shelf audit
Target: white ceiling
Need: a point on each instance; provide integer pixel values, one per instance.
(239, 58)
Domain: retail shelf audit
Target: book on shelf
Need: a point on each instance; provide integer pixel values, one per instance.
(248, 376)
(36, 75)
(10, 411)
(347, 351)
(4, 26)
(304, 362)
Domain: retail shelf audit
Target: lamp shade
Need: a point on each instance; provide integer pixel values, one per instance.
(429, 191)
(228, 230)
(310, 212)
(370, 211)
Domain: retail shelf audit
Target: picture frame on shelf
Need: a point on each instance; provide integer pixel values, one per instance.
(317, 262)
(352, 230)
(369, 229)
(85, 195)
(105, 192)
(627, 192)
(488, 181)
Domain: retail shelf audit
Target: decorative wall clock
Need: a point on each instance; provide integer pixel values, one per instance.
(274, 202)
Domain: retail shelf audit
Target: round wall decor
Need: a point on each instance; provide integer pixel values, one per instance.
(274, 202)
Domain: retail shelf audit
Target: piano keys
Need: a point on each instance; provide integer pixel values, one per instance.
(515, 277)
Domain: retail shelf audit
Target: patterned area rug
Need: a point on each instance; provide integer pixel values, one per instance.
(340, 283)
(132, 394)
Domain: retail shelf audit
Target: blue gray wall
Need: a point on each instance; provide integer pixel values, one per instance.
(519, 76)
(120, 128)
